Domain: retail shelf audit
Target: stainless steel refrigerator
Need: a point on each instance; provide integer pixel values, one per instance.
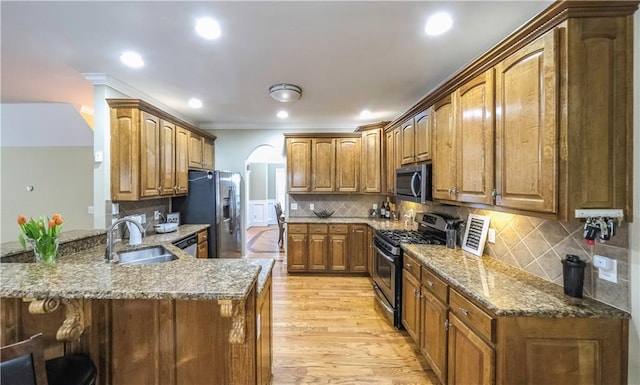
(214, 199)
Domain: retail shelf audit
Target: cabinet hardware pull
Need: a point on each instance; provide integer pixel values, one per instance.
(446, 324)
(454, 191)
(464, 311)
(430, 283)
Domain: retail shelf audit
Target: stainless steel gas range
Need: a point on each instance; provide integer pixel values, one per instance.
(387, 266)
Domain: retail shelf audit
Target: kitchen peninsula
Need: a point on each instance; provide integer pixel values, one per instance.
(186, 321)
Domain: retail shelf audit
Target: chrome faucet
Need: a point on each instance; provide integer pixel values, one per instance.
(108, 256)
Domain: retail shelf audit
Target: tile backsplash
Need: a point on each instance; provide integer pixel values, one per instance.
(147, 207)
(347, 205)
(538, 245)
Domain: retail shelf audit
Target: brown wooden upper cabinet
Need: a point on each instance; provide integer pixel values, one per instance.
(323, 165)
(348, 155)
(444, 155)
(540, 124)
(299, 164)
(149, 152)
(463, 134)
(393, 157)
(371, 164)
(408, 145)
(526, 129)
(334, 163)
(201, 152)
(416, 139)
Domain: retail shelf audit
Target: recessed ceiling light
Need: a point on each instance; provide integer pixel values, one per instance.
(365, 114)
(208, 28)
(131, 59)
(283, 114)
(195, 103)
(438, 24)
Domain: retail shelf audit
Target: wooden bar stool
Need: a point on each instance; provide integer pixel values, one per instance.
(280, 219)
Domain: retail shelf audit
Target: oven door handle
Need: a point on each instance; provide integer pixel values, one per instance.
(383, 254)
(377, 292)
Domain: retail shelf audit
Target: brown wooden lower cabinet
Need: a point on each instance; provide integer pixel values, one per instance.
(470, 359)
(464, 343)
(264, 335)
(203, 244)
(159, 342)
(327, 248)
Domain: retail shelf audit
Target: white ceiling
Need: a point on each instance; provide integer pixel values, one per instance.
(346, 56)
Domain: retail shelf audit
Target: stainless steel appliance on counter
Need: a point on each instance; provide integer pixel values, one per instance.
(388, 261)
(214, 199)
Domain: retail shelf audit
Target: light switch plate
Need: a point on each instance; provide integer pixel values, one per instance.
(312, 206)
(294, 206)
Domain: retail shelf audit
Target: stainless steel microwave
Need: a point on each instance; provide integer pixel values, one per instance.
(413, 183)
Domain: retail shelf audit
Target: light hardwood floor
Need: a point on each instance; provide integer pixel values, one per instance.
(326, 331)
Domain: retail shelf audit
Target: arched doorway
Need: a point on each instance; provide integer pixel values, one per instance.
(265, 186)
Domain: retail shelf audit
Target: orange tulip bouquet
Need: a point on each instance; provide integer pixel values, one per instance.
(42, 235)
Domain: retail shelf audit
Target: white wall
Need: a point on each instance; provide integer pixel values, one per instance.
(634, 228)
(234, 146)
(47, 146)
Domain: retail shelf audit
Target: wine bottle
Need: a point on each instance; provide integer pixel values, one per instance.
(383, 213)
(388, 209)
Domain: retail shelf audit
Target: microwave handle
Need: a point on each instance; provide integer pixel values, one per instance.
(413, 183)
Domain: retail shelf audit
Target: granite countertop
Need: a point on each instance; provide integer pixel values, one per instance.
(85, 274)
(376, 223)
(505, 290)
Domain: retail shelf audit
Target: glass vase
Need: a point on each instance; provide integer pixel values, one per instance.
(45, 249)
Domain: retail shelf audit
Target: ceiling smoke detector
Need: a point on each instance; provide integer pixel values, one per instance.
(285, 92)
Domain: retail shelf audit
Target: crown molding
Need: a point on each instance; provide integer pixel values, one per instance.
(97, 79)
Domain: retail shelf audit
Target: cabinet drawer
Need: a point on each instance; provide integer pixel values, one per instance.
(435, 285)
(474, 317)
(203, 236)
(412, 266)
(317, 229)
(338, 229)
(203, 250)
(296, 228)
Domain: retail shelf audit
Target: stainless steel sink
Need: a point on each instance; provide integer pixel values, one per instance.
(146, 256)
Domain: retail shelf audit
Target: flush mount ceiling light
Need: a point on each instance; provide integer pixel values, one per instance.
(365, 114)
(285, 92)
(283, 114)
(438, 24)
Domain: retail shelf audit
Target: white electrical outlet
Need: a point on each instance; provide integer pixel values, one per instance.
(607, 268)
(491, 235)
(312, 206)
(156, 215)
(294, 206)
(143, 218)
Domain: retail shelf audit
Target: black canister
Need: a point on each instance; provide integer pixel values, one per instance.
(573, 275)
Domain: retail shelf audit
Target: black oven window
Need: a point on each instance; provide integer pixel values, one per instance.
(384, 268)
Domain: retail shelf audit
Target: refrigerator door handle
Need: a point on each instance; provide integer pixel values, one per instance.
(233, 209)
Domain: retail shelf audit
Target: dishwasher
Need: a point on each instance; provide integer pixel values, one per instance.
(188, 245)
